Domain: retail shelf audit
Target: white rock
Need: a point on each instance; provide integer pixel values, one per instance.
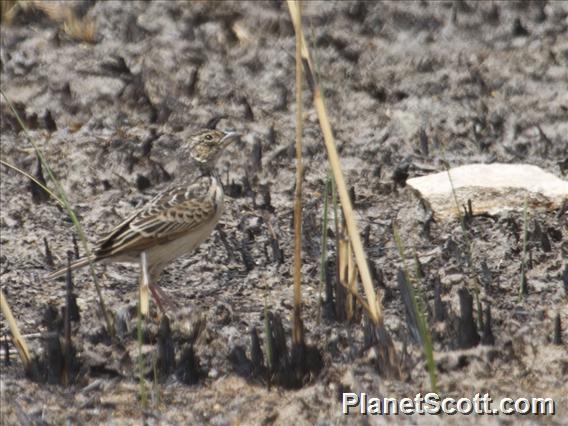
(492, 188)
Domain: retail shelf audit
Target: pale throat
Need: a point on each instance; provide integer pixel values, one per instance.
(198, 159)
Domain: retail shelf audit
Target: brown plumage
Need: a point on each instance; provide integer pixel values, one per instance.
(175, 221)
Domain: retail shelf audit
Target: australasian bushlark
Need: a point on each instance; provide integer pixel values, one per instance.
(175, 221)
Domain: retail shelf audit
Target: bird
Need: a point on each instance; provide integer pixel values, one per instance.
(174, 222)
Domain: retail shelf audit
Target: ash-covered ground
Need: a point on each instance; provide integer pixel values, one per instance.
(407, 84)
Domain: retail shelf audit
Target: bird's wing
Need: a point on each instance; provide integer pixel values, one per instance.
(167, 216)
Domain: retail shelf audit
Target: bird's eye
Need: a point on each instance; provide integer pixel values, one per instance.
(208, 137)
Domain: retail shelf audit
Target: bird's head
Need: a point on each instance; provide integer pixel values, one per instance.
(206, 146)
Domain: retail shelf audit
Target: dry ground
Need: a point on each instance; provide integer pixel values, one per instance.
(406, 83)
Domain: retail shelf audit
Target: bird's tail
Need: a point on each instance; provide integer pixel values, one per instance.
(79, 263)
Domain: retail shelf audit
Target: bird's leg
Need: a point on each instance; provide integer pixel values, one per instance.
(157, 296)
(163, 299)
(145, 285)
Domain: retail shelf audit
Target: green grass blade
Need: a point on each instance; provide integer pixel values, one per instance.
(419, 308)
(64, 200)
(523, 290)
(323, 257)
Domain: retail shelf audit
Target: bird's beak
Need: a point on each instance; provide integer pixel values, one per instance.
(229, 138)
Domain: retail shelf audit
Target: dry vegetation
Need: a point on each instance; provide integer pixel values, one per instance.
(379, 296)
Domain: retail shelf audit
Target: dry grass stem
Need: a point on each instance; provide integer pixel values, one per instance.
(353, 292)
(19, 341)
(297, 332)
(374, 306)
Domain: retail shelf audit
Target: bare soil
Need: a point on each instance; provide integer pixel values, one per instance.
(407, 85)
